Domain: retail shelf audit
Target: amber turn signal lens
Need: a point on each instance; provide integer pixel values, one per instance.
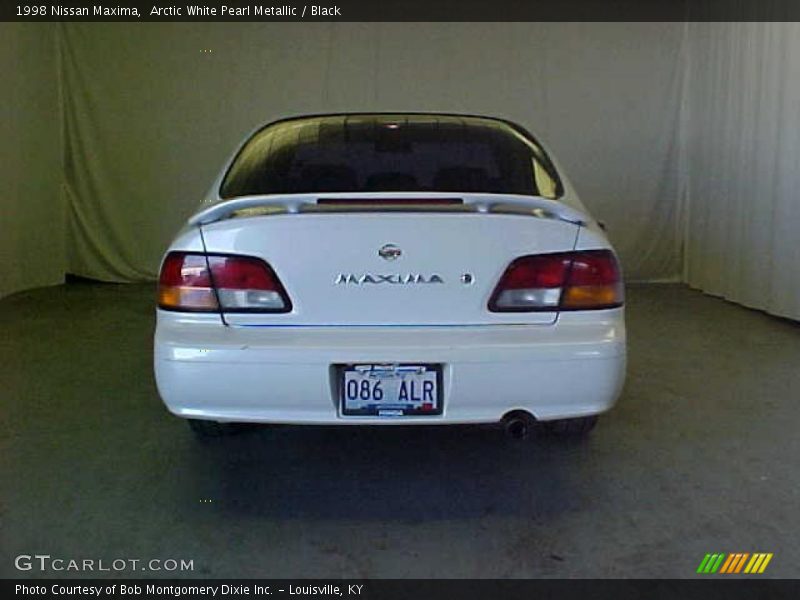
(187, 298)
(592, 296)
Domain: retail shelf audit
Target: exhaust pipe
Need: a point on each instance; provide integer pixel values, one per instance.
(518, 425)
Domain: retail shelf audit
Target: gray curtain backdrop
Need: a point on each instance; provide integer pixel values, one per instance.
(679, 136)
(32, 251)
(152, 111)
(743, 163)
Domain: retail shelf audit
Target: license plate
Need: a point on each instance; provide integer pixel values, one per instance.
(389, 390)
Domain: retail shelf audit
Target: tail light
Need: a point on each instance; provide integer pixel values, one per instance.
(585, 280)
(210, 282)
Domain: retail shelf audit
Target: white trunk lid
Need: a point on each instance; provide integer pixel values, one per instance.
(332, 267)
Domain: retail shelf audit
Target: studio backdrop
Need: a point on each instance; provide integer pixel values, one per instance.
(152, 113)
(646, 120)
(742, 157)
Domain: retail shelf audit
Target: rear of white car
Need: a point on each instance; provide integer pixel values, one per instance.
(390, 269)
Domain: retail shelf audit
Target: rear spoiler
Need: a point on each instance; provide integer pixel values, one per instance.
(533, 206)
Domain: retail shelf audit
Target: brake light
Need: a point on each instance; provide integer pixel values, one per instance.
(204, 283)
(594, 282)
(184, 283)
(390, 201)
(585, 280)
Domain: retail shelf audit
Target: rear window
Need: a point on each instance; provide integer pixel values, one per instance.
(385, 153)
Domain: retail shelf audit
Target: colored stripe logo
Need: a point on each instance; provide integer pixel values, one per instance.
(738, 562)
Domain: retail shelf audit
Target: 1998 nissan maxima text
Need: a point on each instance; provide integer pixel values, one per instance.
(391, 269)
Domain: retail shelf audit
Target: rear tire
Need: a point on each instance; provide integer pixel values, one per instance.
(574, 428)
(209, 429)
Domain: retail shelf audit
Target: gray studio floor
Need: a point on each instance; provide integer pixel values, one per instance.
(701, 455)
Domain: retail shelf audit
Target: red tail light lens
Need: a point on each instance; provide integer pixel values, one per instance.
(205, 283)
(531, 283)
(246, 284)
(561, 281)
(594, 282)
(185, 284)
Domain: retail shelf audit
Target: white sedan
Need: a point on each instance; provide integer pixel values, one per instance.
(387, 269)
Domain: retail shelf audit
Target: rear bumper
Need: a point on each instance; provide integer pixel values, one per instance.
(205, 370)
